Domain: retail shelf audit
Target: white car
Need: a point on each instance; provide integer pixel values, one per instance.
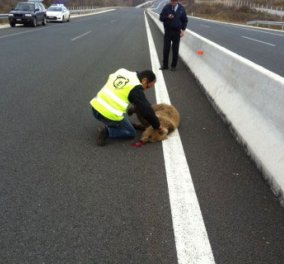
(57, 13)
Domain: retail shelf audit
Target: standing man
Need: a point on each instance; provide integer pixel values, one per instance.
(174, 18)
(110, 105)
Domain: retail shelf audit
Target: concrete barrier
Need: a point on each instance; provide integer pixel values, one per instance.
(249, 97)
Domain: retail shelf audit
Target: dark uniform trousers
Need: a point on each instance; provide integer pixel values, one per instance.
(171, 38)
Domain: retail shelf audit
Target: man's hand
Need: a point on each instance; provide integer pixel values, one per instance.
(171, 16)
(181, 33)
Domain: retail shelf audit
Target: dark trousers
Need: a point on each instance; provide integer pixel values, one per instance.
(171, 39)
(117, 129)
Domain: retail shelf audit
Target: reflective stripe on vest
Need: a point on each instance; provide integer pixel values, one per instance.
(108, 107)
(115, 98)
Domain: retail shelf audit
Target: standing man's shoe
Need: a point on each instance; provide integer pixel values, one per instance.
(102, 135)
(164, 68)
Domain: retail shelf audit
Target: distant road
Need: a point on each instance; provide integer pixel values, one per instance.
(264, 47)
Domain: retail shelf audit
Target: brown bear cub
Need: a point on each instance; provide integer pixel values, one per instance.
(169, 119)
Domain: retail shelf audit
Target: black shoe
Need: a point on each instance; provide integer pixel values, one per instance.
(164, 68)
(102, 135)
(173, 69)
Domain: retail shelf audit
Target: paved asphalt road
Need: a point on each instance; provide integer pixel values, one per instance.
(65, 200)
(264, 47)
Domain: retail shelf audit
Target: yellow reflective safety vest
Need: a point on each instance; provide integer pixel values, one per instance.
(112, 100)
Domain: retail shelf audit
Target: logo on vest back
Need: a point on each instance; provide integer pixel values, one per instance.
(120, 82)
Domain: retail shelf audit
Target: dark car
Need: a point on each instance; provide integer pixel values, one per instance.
(26, 13)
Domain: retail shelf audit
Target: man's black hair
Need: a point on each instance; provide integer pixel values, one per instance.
(150, 75)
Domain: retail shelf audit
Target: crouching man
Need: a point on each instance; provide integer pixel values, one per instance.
(110, 105)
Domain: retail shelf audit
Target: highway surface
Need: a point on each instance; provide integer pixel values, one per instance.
(262, 46)
(65, 200)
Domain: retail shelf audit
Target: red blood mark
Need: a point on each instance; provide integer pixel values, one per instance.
(138, 144)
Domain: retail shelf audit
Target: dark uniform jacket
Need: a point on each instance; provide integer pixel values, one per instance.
(178, 22)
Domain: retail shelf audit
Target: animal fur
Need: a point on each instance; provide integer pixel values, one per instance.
(169, 119)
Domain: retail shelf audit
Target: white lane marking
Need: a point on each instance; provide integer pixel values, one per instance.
(192, 243)
(80, 36)
(256, 40)
(22, 32)
(263, 32)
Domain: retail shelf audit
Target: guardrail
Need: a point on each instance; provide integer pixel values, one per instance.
(267, 23)
(80, 11)
(247, 96)
(3, 16)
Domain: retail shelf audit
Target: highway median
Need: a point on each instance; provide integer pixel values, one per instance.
(247, 96)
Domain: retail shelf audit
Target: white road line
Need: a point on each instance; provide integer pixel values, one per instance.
(146, 3)
(192, 243)
(256, 40)
(80, 36)
(22, 32)
(263, 31)
(94, 13)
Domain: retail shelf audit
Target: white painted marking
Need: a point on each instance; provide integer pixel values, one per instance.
(192, 243)
(22, 32)
(80, 36)
(264, 32)
(146, 3)
(94, 13)
(256, 40)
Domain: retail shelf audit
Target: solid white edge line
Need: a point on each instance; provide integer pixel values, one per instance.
(192, 243)
(93, 13)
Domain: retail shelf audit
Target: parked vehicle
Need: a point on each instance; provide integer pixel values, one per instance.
(58, 13)
(31, 12)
